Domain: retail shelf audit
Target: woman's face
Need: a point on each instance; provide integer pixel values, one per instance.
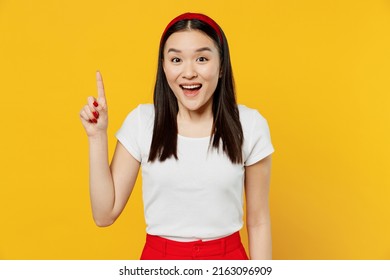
(192, 68)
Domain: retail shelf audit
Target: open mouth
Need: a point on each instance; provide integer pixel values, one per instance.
(191, 87)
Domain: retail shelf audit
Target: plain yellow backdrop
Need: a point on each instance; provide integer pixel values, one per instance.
(317, 70)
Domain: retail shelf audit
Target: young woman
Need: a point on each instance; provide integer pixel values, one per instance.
(198, 151)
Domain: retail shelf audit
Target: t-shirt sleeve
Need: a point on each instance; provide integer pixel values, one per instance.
(258, 140)
(129, 133)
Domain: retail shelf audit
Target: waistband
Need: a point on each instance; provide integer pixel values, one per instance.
(194, 248)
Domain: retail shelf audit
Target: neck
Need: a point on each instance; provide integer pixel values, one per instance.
(202, 114)
(194, 116)
(197, 123)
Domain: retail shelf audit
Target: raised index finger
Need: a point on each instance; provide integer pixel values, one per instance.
(100, 86)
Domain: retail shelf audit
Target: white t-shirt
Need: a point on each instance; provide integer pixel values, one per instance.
(200, 195)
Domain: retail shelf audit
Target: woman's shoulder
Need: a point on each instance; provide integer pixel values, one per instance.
(142, 115)
(249, 115)
(257, 138)
(143, 112)
(145, 109)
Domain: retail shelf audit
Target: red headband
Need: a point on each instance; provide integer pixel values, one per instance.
(201, 17)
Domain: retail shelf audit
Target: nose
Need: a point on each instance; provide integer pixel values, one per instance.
(189, 71)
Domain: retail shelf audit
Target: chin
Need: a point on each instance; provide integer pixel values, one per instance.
(192, 108)
(196, 107)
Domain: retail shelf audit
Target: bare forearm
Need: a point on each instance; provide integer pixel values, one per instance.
(100, 180)
(260, 242)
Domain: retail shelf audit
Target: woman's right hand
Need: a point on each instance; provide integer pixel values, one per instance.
(94, 114)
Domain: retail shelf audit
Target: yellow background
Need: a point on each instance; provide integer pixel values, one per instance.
(317, 70)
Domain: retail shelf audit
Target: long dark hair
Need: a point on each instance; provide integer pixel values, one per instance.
(226, 122)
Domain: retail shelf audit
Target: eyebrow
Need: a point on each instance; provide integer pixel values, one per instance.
(198, 50)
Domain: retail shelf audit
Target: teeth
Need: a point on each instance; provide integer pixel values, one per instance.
(191, 87)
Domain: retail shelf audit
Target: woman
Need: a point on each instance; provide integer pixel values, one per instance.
(196, 147)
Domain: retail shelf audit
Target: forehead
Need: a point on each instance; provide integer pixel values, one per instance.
(189, 40)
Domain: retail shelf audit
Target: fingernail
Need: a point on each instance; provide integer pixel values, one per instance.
(90, 121)
(96, 114)
(95, 104)
(94, 120)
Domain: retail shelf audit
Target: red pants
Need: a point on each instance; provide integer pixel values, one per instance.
(226, 248)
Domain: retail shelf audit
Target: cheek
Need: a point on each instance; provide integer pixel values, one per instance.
(171, 73)
(211, 70)
(211, 75)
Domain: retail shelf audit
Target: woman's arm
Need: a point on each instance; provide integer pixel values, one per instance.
(110, 187)
(257, 184)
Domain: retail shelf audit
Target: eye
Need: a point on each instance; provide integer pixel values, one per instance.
(175, 60)
(202, 59)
